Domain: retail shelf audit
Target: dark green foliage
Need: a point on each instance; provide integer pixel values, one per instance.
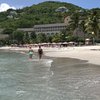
(43, 13)
(41, 38)
(56, 38)
(17, 37)
(26, 38)
(8, 31)
(33, 37)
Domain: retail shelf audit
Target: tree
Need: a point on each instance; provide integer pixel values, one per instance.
(8, 31)
(33, 37)
(18, 36)
(63, 36)
(74, 20)
(56, 38)
(41, 37)
(92, 24)
(49, 38)
(26, 38)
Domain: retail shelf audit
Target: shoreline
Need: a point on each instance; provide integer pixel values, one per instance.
(91, 54)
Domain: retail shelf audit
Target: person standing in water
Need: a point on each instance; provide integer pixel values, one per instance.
(40, 52)
(30, 52)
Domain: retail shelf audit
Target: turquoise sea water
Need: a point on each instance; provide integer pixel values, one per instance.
(47, 79)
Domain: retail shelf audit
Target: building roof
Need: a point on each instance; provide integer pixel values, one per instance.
(3, 36)
(1, 29)
(26, 29)
(45, 28)
(50, 25)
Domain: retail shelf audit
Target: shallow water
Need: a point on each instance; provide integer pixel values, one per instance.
(62, 79)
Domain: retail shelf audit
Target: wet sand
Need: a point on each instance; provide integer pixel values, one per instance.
(75, 79)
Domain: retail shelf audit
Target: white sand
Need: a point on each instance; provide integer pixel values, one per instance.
(89, 53)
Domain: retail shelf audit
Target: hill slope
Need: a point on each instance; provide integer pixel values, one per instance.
(42, 13)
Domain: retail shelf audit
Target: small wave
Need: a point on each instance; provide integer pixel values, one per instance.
(48, 75)
(48, 62)
(20, 92)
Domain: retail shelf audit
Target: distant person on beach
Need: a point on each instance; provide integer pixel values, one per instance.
(40, 52)
(30, 52)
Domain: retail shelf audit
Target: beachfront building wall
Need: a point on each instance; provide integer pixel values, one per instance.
(49, 28)
(27, 30)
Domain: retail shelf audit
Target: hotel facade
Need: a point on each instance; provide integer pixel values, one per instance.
(47, 28)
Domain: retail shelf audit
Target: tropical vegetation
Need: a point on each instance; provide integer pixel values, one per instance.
(85, 20)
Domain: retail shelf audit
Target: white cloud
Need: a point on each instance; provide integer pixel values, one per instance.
(5, 7)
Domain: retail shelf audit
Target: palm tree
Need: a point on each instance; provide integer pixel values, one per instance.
(74, 21)
(95, 24)
(74, 25)
(92, 24)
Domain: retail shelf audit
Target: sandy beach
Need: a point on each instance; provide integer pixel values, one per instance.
(89, 53)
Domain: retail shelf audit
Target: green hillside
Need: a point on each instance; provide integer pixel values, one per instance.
(41, 13)
(83, 21)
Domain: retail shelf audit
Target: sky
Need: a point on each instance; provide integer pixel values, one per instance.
(16, 4)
